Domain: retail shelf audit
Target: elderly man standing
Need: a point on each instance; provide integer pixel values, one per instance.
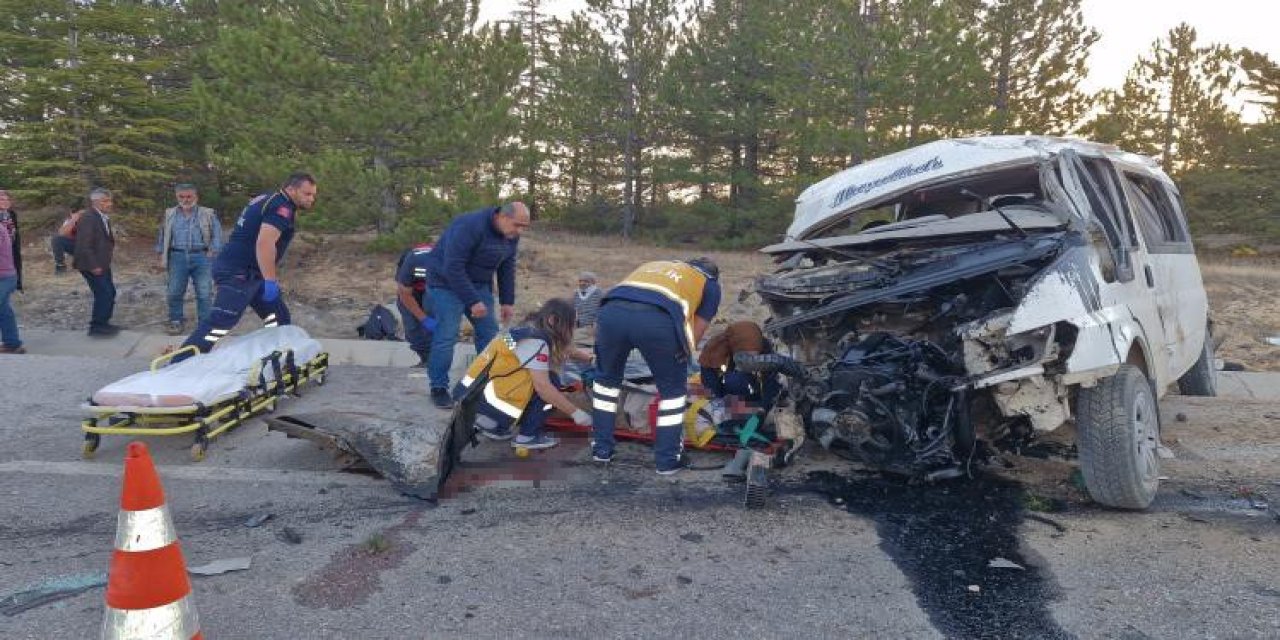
(95, 247)
(586, 300)
(189, 237)
(474, 248)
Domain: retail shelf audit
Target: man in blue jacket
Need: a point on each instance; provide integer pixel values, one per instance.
(474, 248)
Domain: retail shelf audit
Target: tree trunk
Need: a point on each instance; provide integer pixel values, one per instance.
(388, 212)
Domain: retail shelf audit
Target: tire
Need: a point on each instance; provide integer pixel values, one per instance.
(1202, 378)
(1119, 438)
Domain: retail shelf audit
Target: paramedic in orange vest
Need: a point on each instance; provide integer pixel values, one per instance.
(661, 309)
(519, 371)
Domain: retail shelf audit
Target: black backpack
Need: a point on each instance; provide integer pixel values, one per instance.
(381, 325)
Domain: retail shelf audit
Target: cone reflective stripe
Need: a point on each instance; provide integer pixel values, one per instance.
(148, 591)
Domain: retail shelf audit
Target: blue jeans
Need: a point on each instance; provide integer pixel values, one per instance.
(193, 267)
(104, 297)
(419, 339)
(622, 326)
(448, 311)
(8, 319)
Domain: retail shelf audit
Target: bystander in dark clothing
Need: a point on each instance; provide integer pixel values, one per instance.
(9, 218)
(95, 248)
(473, 249)
(414, 303)
(10, 277)
(63, 241)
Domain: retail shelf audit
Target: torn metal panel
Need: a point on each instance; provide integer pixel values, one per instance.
(1043, 401)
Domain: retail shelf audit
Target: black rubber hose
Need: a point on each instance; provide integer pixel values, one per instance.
(769, 363)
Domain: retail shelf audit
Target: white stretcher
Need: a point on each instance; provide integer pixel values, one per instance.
(207, 394)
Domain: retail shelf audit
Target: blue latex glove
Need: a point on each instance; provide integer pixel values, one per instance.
(429, 324)
(270, 291)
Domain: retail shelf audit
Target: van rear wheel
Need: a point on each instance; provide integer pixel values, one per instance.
(1202, 378)
(1119, 440)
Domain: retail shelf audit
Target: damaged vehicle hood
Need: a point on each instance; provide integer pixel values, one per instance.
(834, 200)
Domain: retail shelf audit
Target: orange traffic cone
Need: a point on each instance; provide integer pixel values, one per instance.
(148, 592)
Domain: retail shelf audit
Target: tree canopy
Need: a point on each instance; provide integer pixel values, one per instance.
(679, 119)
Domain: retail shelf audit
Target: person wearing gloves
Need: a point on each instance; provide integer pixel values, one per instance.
(246, 269)
(476, 249)
(519, 371)
(414, 302)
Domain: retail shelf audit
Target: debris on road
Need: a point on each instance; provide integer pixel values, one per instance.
(289, 535)
(1001, 563)
(49, 591)
(224, 565)
(257, 520)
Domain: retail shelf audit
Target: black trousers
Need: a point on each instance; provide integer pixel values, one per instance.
(104, 297)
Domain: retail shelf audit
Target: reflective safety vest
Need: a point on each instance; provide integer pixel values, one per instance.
(676, 281)
(510, 385)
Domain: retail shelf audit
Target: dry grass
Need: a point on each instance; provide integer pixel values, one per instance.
(1244, 301)
(331, 281)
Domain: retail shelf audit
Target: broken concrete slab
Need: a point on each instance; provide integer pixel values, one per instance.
(405, 453)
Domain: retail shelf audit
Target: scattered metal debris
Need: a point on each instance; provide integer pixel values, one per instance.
(257, 519)
(289, 535)
(221, 566)
(50, 591)
(1001, 563)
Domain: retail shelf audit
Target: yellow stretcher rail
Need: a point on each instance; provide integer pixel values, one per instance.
(260, 395)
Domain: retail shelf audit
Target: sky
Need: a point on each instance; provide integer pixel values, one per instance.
(1127, 28)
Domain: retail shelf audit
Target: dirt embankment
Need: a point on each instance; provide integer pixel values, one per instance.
(331, 280)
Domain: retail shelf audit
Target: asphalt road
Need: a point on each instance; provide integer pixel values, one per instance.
(554, 547)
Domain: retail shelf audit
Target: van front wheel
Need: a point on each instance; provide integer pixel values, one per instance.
(1119, 440)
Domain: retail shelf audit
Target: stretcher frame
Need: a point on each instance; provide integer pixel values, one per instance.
(260, 395)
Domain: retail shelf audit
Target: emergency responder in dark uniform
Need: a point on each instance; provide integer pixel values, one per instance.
(245, 271)
(662, 309)
(414, 304)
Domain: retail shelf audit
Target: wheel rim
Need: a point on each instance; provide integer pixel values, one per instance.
(1146, 434)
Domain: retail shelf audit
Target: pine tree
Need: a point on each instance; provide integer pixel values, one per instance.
(1036, 53)
(87, 102)
(1173, 104)
(394, 105)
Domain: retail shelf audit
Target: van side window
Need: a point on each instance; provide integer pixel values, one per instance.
(1155, 211)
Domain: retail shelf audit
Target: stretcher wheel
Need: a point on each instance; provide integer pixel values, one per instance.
(319, 379)
(198, 449)
(755, 496)
(271, 406)
(91, 442)
(522, 452)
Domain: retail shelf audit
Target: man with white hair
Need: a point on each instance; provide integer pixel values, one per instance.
(95, 247)
(586, 300)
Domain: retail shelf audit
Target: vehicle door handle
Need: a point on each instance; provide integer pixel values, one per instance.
(1151, 278)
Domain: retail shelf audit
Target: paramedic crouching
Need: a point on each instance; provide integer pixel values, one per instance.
(519, 371)
(662, 309)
